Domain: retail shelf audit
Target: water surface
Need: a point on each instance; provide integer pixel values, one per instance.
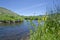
(15, 31)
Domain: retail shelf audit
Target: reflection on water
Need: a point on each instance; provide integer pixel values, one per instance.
(14, 31)
(12, 24)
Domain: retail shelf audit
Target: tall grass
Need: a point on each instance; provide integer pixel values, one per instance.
(49, 31)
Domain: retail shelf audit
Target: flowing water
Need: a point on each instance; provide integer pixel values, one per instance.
(15, 31)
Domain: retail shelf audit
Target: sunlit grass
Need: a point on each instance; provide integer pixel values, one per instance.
(50, 30)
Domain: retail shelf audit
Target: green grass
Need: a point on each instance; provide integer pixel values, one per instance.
(49, 31)
(7, 15)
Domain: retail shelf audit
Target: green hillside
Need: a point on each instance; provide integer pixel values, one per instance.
(8, 15)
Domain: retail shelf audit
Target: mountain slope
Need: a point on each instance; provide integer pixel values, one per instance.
(8, 15)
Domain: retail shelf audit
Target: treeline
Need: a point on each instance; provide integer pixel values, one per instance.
(32, 17)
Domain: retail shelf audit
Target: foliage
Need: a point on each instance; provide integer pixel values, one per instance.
(49, 31)
(7, 15)
(32, 17)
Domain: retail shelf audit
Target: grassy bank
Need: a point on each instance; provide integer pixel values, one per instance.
(7, 16)
(49, 31)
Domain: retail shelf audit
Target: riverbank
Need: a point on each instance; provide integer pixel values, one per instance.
(10, 21)
(8, 16)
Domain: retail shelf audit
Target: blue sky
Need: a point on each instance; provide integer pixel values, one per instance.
(29, 7)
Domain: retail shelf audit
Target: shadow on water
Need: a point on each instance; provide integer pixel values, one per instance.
(7, 24)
